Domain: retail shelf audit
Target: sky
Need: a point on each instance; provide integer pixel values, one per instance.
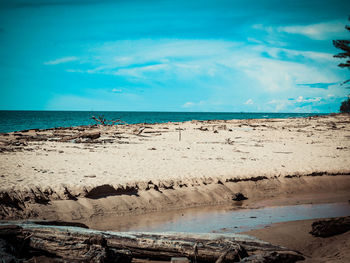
(184, 55)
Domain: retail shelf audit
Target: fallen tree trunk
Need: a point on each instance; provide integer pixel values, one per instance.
(330, 227)
(84, 245)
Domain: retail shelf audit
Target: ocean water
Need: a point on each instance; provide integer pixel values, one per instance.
(23, 120)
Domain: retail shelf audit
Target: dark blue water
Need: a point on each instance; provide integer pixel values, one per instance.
(23, 120)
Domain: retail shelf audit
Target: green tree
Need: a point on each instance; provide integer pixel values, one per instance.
(344, 45)
(345, 106)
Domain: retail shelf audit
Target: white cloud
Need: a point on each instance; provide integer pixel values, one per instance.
(279, 105)
(220, 68)
(194, 59)
(253, 40)
(249, 102)
(319, 31)
(302, 99)
(60, 60)
(140, 71)
(316, 99)
(188, 104)
(75, 71)
(276, 52)
(276, 75)
(115, 90)
(197, 105)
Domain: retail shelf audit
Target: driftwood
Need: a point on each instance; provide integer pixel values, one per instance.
(84, 135)
(74, 244)
(239, 197)
(330, 227)
(264, 257)
(104, 122)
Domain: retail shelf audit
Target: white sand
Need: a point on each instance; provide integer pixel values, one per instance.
(253, 148)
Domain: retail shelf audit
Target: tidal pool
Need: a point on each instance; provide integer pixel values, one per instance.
(234, 221)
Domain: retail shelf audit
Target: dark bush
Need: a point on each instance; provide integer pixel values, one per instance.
(345, 106)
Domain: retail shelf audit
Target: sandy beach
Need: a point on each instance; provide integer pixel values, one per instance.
(103, 176)
(58, 173)
(160, 131)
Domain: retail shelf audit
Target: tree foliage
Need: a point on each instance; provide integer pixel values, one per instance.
(345, 106)
(344, 46)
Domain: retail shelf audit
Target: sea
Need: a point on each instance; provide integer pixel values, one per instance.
(24, 120)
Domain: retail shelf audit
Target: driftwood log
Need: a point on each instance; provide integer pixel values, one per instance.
(330, 227)
(75, 244)
(83, 135)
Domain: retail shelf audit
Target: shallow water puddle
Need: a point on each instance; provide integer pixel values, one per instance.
(235, 221)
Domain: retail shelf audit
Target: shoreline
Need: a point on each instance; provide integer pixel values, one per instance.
(94, 124)
(81, 173)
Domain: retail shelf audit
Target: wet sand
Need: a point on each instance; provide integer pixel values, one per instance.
(295, 235)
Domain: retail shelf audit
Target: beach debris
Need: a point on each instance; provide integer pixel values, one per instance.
(69, 243)
(220, 127)
(330, 227)
(229, 141)
(239, 197)
(274, 256)
(85, 135)
(235, 250)
(90, 135)
(179, 129)
(179, 260)
(341, 148)
(104, 122)
(140, 130)
(203, 128)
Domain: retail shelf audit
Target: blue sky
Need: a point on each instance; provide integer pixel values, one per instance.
(185, 55)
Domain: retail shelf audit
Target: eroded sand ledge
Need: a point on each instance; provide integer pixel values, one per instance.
(133, 169)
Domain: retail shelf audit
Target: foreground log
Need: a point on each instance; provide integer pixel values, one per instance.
(76, 244)
(330, 227)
